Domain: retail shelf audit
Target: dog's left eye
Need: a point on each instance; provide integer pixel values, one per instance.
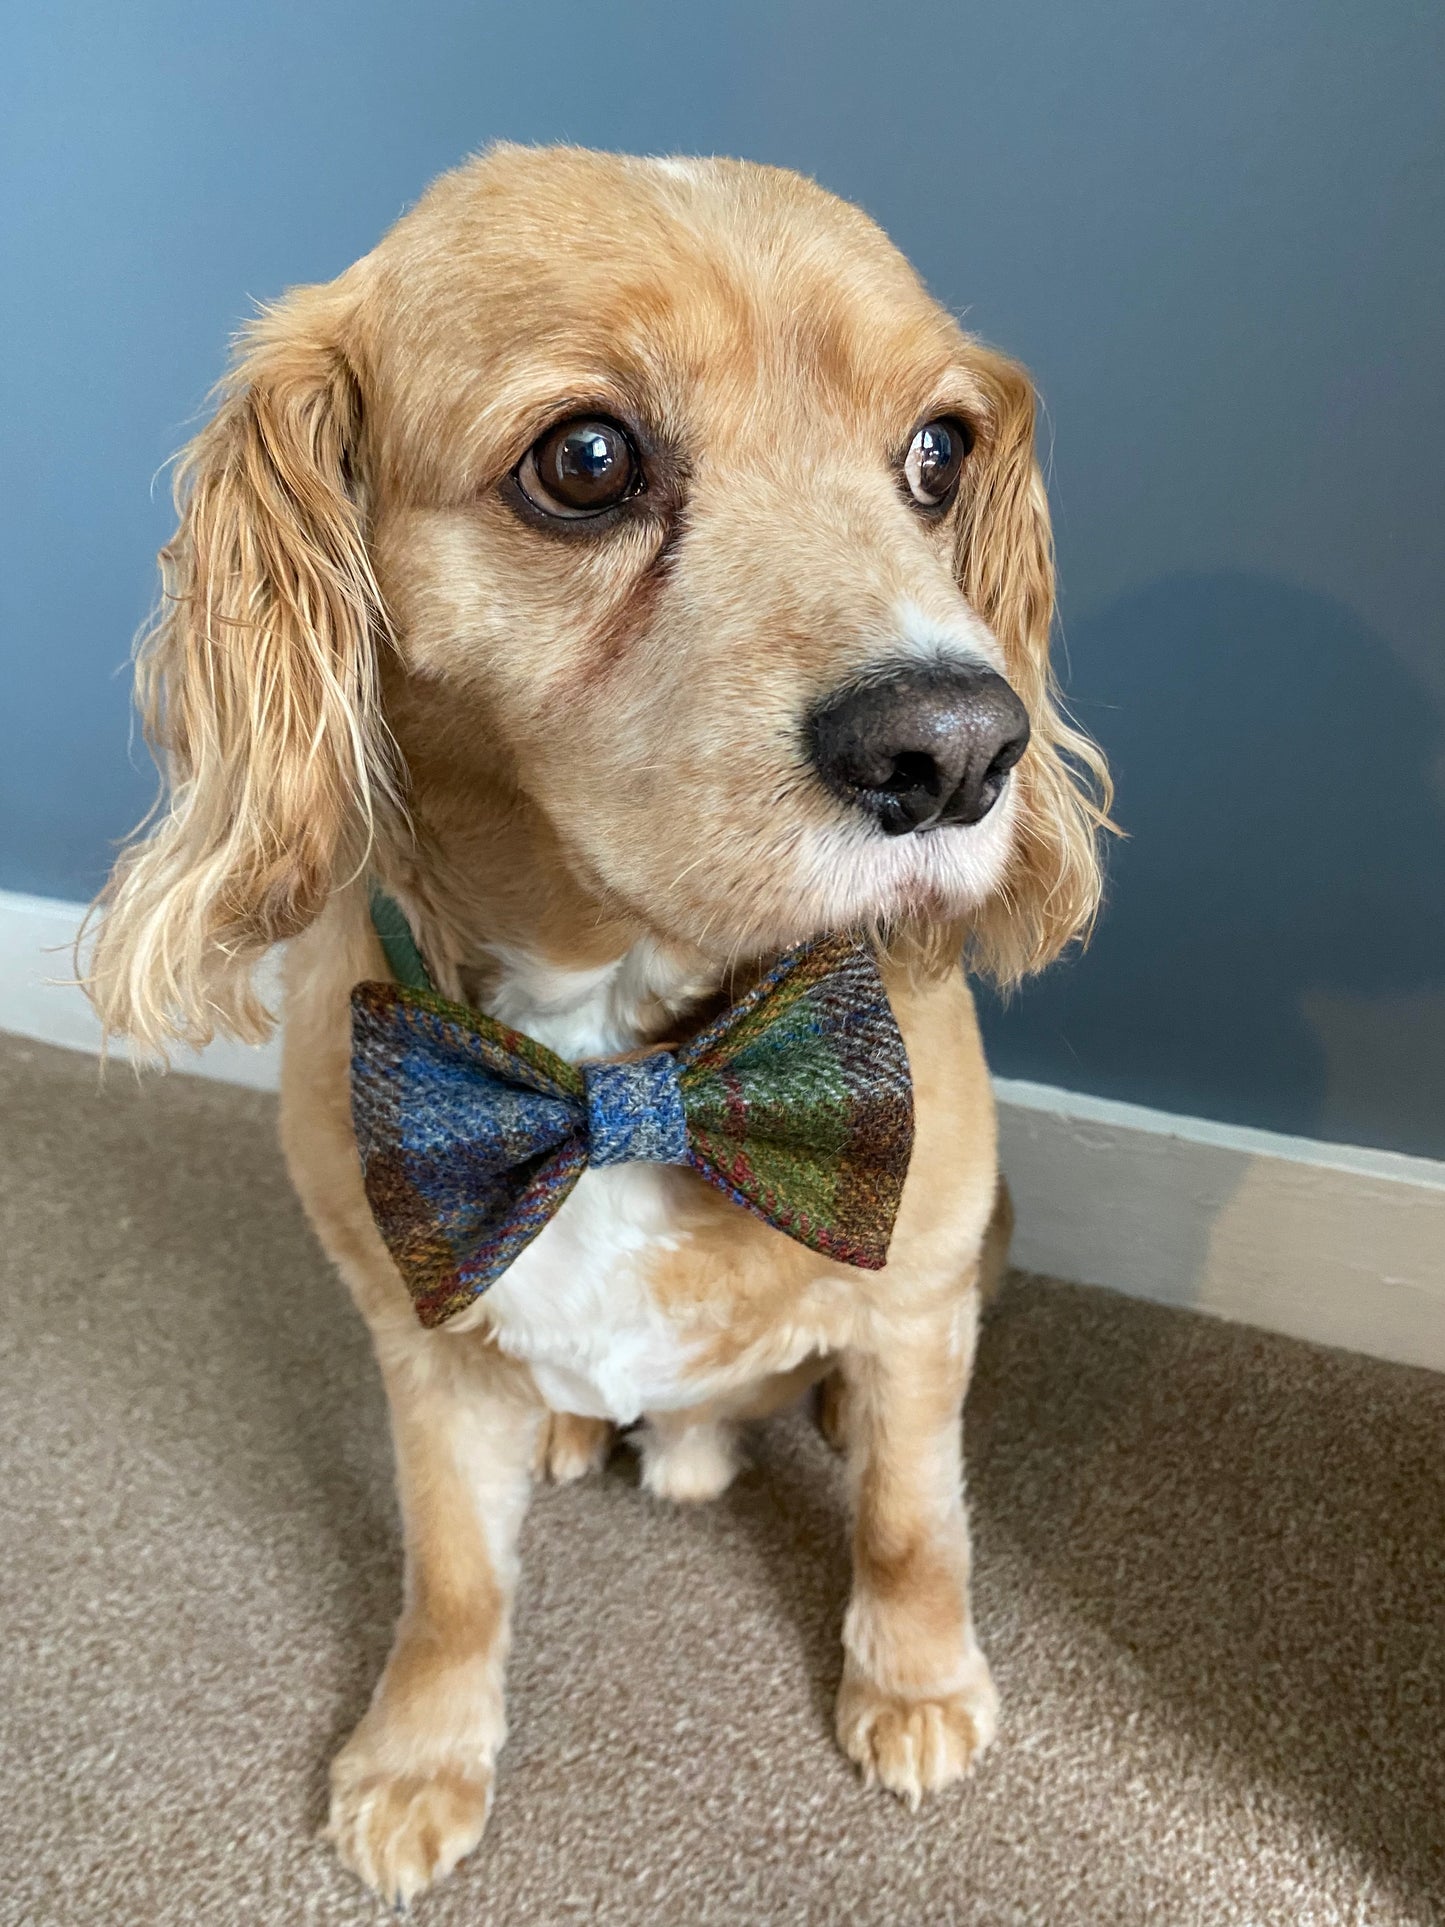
(935, 461)
(580, 467)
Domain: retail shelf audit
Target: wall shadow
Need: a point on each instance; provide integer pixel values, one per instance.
(1278, 771)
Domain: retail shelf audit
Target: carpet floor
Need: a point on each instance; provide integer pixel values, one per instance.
(1210, 1575)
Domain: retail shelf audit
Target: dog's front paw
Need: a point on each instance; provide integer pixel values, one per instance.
(913, 1745)
(402, 1832)
(689, 1463)
(570, 1447)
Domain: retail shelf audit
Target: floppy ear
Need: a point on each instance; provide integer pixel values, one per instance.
(257, 685)
(1005, 566)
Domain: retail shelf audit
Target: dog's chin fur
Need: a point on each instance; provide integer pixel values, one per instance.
(852, 876)
(849, 875)
(577, 757)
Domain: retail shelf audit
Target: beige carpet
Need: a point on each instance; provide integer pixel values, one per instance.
(1210, 1577)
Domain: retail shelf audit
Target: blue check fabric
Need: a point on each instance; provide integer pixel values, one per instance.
(796, 1104)
(635, 1113)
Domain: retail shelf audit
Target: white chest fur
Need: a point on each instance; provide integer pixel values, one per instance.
(575, 1305)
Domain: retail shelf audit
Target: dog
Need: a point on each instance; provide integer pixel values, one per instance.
(631, 569)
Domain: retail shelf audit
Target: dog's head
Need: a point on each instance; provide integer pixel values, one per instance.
(650, 511)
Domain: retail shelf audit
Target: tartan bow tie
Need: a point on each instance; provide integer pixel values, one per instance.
(796, 1104)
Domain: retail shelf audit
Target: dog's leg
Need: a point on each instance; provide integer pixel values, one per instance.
(917, 1705)
(832, 1409)
(412, 1786)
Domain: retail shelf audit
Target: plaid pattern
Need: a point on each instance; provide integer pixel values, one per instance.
(796, 1104)
(635, 1112)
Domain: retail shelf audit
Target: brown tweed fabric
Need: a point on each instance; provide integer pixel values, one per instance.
(1209, 1574)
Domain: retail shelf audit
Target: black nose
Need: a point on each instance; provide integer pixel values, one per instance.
(919, 747)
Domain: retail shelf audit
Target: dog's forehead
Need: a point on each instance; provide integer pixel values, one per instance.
(693, 288)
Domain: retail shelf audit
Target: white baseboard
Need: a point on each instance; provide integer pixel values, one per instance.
(1327, 1242)
(1330, 1242)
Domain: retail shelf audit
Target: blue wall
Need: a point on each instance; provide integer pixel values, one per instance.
(1213, 230)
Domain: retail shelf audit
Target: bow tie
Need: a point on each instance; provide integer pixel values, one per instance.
(796, 1104)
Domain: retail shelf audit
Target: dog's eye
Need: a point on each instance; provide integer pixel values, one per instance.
(935, 461)
(580, 467)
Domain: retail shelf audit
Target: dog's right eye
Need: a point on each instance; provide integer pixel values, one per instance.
(580, 467)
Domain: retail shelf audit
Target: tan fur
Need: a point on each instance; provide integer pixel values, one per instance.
(564, 753)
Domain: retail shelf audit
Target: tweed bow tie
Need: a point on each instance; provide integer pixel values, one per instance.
(795, 1103)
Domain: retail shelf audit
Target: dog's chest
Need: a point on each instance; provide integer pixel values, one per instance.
(577, 1307)
(576, 1304)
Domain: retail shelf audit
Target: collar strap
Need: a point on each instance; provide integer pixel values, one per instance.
(393, 932)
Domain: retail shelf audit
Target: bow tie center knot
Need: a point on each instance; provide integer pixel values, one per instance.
(634, 1112)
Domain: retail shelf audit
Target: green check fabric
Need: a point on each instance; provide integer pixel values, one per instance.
(796, 1104)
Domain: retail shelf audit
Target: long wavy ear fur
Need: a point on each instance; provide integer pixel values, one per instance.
(257, 685)
(1005, 566)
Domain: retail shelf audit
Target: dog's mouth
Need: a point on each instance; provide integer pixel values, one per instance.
(921, 755)
(845, 871)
